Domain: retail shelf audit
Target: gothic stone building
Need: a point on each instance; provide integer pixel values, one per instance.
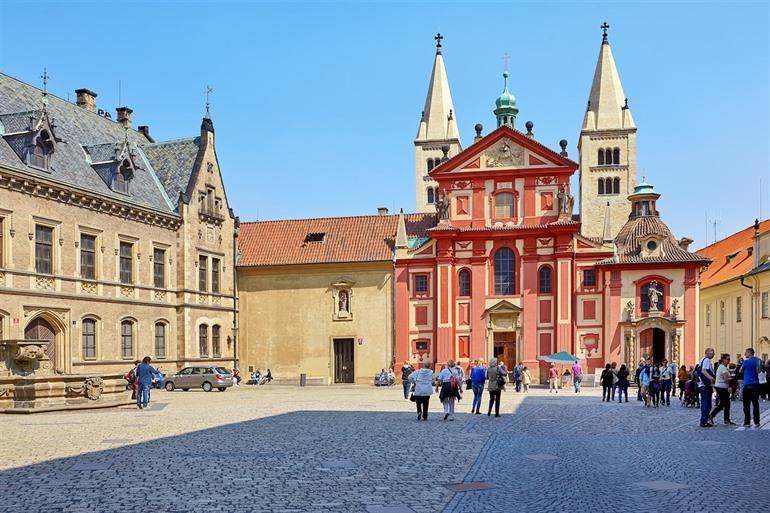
(112, 246)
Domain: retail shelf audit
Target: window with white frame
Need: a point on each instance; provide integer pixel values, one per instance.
(765, 306)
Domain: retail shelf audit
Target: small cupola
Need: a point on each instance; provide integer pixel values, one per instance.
(505, 105)
(643, 200)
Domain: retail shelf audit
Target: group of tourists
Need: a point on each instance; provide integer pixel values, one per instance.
(141, 379)
(451, 380)
(752, 385)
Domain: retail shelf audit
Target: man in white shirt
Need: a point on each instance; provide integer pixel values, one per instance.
(706, 386)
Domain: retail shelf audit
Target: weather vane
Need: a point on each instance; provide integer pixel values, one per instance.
(209, 90)
(45, 76)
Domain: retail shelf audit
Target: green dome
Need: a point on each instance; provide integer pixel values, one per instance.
(506, 99)
(644, 188)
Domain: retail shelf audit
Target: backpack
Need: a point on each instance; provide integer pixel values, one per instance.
(453, 380)
(500, 378)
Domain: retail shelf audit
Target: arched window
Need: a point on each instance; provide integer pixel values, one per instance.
(601, 185)
(616, 156)
(616, 185)
(608, 185)
(608, 156)
(122, 177)
(203, 340)
(160, 340)
(601, 157)
(89, 338)
(464, 283)
(504, 205)
(430, 165)
(545, 279)
(42, 147)
(127, 339)
(431, 198)
(505, 273)
(215, 341)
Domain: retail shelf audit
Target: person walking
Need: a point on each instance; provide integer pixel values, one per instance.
(144, 379)
(517, 376)
(478, 378)
(406, 370)
(722, 387)
(645, 373)
(422, 384)
(496, 378)
(553, 379)
(606, 380)
(637, 375)
(449, 382)
(751, 368)
(130, 376)
(577, 375)
(705, 375)
(666, 383)
(682, 378)
(614, 369)
(623, 383)
(526, 379)
(655, 386)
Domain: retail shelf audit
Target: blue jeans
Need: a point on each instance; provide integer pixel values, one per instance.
(705, 404)
(407, 386)
(576, 381)
(614, 387)
(143, 395)
(478, 392)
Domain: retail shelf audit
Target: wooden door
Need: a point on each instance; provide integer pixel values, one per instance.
(505, 348)
(41, 330)
(344, 370)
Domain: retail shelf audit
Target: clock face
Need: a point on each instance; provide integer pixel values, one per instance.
(652, 245)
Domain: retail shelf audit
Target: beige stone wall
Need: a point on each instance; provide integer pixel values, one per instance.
(287, 319)
(732, 332)
(593, 205)
(64, 299)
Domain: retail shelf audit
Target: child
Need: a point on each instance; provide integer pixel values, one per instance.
(526, 378)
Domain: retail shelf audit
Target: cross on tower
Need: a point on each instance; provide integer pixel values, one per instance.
(604, 28)
(45, 76)
(438, 39)
(209, 90)
(505, 61)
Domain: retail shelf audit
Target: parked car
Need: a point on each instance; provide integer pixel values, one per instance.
(203, 376)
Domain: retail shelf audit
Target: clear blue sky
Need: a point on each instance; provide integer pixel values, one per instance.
(316, 104)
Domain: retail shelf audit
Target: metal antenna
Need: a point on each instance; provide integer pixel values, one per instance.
(120, 91)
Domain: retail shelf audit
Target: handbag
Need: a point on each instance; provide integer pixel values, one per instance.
(762, 377)
(468, 384)
(412, 397)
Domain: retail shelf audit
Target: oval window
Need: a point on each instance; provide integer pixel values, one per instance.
(652, 245)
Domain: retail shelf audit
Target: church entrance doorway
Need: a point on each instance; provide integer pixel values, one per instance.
(344, 366)
(505, 348)
(652, 343)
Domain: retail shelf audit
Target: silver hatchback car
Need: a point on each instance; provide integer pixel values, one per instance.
(200, 376)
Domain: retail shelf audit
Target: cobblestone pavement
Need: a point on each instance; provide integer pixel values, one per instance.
(360, 449)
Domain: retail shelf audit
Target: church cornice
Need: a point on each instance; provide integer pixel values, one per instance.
(610, 133)
(607, 169)
(40, 187)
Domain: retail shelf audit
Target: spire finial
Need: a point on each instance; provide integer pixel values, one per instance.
(45, 76)
(506, 57)
(209, 90)
(604, 28)
(438, 37)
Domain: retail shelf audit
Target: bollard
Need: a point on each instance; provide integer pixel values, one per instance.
(302, 379)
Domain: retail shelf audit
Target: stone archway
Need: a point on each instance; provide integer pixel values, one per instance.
(48, 329)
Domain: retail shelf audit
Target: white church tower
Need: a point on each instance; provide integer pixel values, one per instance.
(607, 149)
(438, 128)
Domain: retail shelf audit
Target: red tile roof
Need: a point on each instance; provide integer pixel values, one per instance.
(346, 239)
(737, 247)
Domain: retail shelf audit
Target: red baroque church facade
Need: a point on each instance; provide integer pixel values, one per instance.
(510, 271)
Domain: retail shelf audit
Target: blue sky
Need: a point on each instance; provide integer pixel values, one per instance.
(316, 105)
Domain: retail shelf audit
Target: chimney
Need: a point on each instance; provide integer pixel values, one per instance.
(684, 243)
(382, 211)
(86, 99)
(124, 116)
(145, 131)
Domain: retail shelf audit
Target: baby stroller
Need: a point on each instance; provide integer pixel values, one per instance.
(691, 396)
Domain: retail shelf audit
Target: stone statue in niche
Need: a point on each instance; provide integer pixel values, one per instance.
(566, 200)
(654, 294)
(342, 305)
(505, 155)
(675, 308)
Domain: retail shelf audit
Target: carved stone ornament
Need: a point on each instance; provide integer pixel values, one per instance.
(92, 387)
(675, 308)
(505, 154)
(545, 180)
(460, 184)
(630, 311)
(29, 353)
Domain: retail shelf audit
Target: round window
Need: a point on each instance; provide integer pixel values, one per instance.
(652, 245)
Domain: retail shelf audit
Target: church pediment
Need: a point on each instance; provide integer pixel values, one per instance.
(505, 148)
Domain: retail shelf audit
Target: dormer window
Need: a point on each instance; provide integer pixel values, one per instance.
(651, 246)
(39, 153)
(315, 237)
(122, 177)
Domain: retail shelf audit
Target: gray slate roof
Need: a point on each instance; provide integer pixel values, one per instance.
(163, 169)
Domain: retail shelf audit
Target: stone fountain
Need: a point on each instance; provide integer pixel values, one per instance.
(29, 382)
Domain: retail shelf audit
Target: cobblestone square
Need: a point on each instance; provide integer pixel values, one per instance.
(360, 449)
